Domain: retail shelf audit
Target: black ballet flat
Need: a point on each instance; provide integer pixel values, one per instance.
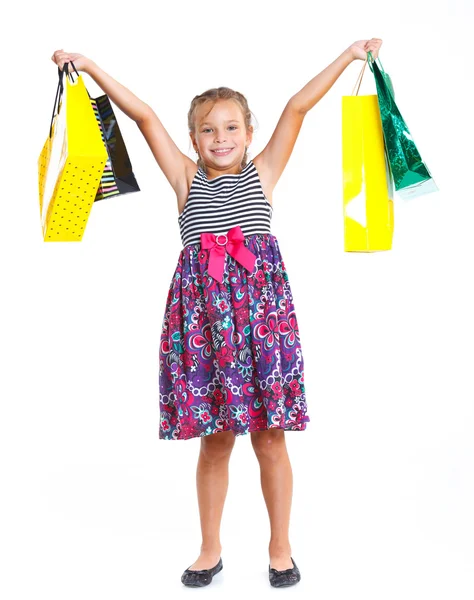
(202, 577)
(285, 577)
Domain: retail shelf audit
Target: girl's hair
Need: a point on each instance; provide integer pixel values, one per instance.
(213, 95)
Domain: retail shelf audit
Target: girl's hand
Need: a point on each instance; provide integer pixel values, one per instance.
(80, 62)
(362, 47)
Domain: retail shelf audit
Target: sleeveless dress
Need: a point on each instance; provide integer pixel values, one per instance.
(230, 356)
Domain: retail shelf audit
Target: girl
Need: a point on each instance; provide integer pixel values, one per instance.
(230, 353)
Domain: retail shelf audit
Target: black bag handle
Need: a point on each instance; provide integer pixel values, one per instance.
(60, 89)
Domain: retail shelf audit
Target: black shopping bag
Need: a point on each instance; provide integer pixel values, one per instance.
(118, 177)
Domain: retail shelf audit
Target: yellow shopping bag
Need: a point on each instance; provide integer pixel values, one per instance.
(71, 163)
(368, 188)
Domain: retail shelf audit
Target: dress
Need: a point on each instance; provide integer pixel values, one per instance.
(230, 355)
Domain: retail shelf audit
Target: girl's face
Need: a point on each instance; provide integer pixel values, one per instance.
(222, 129)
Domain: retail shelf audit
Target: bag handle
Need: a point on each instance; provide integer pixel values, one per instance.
(374, 60)
(368, 59)
(383, 80)
(60, 90)
(359, 79)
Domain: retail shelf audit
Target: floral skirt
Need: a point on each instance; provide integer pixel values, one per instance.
(230, 351)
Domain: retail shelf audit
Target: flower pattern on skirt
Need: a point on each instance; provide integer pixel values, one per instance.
(230, 352)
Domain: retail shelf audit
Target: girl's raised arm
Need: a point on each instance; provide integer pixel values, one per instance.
(169, 157)
(171, 160)
(273, 158)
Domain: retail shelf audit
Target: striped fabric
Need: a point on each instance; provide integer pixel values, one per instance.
(105, 118)
(228, 200)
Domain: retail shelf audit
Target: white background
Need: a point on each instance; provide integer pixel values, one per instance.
(93, 504)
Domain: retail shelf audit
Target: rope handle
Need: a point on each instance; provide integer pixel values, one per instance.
(361, 74)
(60, 90)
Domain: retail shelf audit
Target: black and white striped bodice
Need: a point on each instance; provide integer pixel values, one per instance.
(228, 200)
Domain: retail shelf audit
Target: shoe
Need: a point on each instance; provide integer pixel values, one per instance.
(285, 577)
(202, 577)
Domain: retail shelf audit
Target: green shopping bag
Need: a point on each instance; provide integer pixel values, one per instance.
(410, 174)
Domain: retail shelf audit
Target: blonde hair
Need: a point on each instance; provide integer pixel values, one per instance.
(214, 95)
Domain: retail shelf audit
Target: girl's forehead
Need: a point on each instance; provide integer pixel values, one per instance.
(223, 110)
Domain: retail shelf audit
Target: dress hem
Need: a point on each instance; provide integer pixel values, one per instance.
(236, 433)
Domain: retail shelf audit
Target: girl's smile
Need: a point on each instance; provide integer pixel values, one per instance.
(222, 152)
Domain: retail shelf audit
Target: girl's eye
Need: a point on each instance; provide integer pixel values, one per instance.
(208, 128)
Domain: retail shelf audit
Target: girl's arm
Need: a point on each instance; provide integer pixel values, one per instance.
(169, 157)
(273, 159)
(322, 83)
(314, 90)
(128, 103)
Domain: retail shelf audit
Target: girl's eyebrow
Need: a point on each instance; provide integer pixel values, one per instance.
(231, 121)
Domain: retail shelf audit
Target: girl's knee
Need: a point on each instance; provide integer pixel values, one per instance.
(217, 444)
(267, 441)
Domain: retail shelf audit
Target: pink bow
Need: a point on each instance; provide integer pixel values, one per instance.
(234, 245)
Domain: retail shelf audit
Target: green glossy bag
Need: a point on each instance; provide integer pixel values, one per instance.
(410, 174)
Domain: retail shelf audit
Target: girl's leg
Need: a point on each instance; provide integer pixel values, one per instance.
(212, 480)
(277, 486)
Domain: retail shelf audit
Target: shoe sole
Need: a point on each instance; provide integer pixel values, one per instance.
(286, 584)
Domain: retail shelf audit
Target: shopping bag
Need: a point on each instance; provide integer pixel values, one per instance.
(71, 163)
(118, 177)
(367, 187)
(410, 174)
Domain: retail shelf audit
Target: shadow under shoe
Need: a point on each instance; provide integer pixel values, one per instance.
(285, 577)
(202, 577)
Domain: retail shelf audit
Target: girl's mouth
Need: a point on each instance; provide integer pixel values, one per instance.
(222, 153)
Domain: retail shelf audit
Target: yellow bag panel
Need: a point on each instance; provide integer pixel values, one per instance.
(82, 158)
(368, 208)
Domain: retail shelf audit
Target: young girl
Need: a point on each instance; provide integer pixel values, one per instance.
(230, 355)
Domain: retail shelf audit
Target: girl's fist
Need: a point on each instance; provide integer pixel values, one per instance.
(60, 57)
(362, 47)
